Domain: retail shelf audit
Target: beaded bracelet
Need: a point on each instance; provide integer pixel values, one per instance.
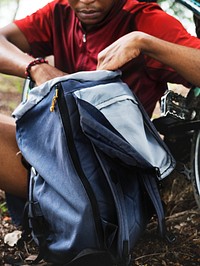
(37, 61)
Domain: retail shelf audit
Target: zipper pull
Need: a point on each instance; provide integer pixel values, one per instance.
(84, 38)
(54, 100)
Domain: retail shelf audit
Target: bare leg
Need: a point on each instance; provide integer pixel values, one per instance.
(13, 175)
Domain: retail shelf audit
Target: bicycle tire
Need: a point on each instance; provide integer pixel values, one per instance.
(195, 166)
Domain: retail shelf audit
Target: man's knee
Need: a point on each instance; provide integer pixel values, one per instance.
(13, 175)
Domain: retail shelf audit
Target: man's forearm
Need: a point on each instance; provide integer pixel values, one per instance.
(184, 60)
(13, 60)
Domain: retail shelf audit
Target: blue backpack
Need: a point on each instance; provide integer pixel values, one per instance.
(95, 161)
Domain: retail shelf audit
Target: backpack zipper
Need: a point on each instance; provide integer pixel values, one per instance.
(54, 100)
(64, 112)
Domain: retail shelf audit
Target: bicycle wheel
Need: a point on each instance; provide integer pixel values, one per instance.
(195, 164)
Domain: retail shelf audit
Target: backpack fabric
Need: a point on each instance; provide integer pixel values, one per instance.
(95, 161)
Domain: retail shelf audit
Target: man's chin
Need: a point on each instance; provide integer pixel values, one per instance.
(89, 19)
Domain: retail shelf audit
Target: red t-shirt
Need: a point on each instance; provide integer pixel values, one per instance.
(55, 30)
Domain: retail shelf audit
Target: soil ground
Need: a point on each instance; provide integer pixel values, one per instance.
(182, 214)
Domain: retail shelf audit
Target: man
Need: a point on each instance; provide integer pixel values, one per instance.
(150, 47)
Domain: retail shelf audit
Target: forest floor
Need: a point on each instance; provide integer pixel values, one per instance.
(182, 214)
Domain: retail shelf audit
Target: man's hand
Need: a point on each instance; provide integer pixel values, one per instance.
(43, 72)
(184, 60)
(120, 52)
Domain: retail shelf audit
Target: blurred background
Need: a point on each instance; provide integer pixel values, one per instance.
(11, 9)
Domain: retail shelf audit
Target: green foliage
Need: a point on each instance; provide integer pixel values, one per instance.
(3, 208)
(11, 83)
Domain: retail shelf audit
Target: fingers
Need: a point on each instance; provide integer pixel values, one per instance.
(120, 52)
(109, 59)
(112, 61)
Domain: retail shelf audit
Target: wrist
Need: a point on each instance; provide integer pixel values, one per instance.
(34, 62)
(141, 40)
(149, 45)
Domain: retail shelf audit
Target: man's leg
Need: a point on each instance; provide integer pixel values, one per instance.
(13, 175)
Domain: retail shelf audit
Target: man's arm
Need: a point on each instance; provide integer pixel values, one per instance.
(14, 50)
(184, 60)
(14, 56)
